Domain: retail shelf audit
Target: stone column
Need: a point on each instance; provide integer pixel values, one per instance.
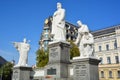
(85, 69)
(21, 73)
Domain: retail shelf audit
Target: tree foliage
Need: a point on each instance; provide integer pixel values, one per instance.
(6, 71)
(74, 50)
(42, 58)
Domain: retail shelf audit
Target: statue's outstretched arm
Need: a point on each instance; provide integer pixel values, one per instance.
(16, 45)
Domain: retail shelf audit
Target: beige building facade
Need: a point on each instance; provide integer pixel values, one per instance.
(107, 49)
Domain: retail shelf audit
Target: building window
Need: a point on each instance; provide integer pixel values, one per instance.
(118, 74)
(45, 48)
(101, 59)
(110, 74)
(107, 47)
(46, 36)
(46, 30)
(67, 36)
(45, 45)
(117, 59)
(115, 44)
(66, 31)
(46, 42)
(108, 60)
(71, 37)
(100, 48)
(102, 74)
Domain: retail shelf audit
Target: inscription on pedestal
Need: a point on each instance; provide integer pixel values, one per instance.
(15, 75)
(80, 72)
(53, 52)
(51, 71)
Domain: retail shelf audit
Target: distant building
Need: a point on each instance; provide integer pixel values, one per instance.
(2, 61)
(71, 33)
(107, 49)
(45, 35)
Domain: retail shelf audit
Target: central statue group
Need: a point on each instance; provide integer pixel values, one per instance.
(84, 39)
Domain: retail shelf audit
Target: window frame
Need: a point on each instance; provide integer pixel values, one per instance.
(110, 74)
(100, 48)
(117, 59)
(107, 47)
(102, 74)
(108, 60)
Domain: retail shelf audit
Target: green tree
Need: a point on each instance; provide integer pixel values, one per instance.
(74, 50)
(42, 58)
(6, 71)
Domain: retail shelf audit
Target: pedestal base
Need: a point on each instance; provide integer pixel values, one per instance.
(85, 69)
(21, 73)
(57, 68)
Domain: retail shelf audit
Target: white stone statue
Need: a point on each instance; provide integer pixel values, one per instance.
(58, 24)
(23, 49)
(84, 41)
(82, 28)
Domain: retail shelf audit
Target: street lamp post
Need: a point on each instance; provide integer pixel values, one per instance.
(2, 74)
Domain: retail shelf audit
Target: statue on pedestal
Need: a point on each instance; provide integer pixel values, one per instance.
(84, 40)
(23, 49)
(58, 24)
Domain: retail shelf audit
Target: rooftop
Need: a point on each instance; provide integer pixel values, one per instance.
(105, 30)
(2, 61)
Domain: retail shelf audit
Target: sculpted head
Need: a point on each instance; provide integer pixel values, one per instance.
(59, 5)
(79, 23)
(86, 30)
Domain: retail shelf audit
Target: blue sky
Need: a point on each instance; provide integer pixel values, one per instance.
(25, 18)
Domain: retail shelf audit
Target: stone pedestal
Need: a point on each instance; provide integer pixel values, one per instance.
(21, 73)
(85, 69)
(59, 57)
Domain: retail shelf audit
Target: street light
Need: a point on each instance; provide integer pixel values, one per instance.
(2, 73)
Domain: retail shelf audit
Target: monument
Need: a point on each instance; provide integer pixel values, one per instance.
(23, 49)
(58, 24)
(86, 65)
(21, 71)
(84, 41)
(59, 57)
(60, 67)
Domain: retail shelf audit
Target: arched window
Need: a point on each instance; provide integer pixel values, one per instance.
(110, 74)
(102, 74)
(107, 47)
